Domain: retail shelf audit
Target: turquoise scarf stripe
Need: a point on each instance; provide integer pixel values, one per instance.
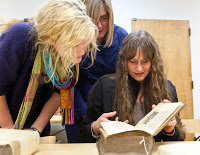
(49, 69)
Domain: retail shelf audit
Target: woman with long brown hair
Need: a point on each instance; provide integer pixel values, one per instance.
(137, 86)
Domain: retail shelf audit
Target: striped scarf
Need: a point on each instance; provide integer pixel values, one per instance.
(66, 89)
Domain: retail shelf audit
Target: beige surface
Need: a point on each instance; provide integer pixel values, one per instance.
(90, 148)
(67, 149)
(191, 125)
(48, 140)
(55, 118)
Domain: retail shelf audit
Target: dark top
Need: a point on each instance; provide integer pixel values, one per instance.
(101, 101)
(17, 53)
(104, 63)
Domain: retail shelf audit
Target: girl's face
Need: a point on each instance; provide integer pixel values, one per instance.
(102, 25)
(80, 51)
(139, 67)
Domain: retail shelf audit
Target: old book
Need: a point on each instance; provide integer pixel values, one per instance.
(120, 138)
(18, 142)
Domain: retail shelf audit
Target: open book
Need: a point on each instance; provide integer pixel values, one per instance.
(124, 136)
(18, 142)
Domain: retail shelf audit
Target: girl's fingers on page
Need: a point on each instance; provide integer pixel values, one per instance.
(117, 119)
(126, 121)
(109, 114)
(166, 101)
(153, 106)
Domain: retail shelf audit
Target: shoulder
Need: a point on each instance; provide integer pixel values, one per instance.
(18, 31)
(119, 35)
(106, 83)
(108, 79)
(120, 31)
(21, 27)
(170, 85)
(172, 90)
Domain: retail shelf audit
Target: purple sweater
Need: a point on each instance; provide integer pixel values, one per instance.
(17, 55)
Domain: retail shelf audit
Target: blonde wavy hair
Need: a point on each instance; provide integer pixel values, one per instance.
(94, 9)
(63, 22)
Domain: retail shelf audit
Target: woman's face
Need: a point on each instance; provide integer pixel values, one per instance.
(80, 51)
(102, 25)
(139, 67)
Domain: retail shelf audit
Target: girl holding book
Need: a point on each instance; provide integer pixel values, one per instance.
(36, 54)
(137, 86)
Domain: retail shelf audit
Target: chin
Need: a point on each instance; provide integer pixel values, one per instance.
(139, 80)
(78, 61)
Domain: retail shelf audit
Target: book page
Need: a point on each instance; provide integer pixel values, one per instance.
(157, 118)
(114, 127)
(18, 142)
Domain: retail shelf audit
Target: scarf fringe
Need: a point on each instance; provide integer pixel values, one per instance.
(67, 106)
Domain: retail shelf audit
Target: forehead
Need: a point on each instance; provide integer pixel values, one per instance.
(138, 55)
(103, 11)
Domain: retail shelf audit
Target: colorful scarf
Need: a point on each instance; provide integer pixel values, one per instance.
(66, 89)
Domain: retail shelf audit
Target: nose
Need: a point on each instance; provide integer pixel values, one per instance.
(99, 25)
(139, 67)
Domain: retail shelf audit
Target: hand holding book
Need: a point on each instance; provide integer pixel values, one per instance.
(120, 137)
(96, 125)
(169, 128)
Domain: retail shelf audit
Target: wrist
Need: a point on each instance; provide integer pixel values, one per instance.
(35, 129)
(95, 128)
(94, 134)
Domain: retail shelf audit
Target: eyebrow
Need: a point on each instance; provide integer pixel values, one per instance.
(104, 15)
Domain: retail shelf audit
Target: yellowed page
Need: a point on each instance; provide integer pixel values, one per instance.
(157, 118)
(114, 127)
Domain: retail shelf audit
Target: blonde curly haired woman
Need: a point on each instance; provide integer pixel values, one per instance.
(37, 54)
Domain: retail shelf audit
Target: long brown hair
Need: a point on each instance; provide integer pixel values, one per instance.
(155, 84)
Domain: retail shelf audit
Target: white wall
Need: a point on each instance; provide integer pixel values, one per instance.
(124, 11)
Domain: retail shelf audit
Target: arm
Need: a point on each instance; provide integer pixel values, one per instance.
(13, 54)
(47, 112)
(178, 133)
(94, 111)
(5, 116)
(99, 109)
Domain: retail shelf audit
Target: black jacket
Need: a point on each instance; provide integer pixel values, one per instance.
(101, 100)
